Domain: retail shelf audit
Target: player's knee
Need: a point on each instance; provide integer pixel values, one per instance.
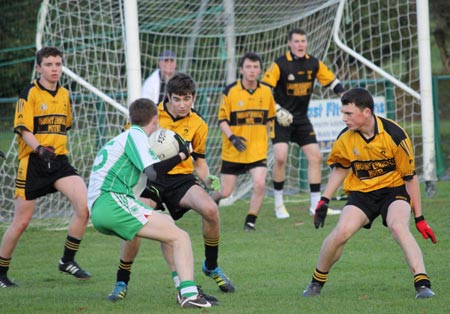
(82, 213)
(211, 215)
(183, 236)
(259, 186)
(19, 226)
(225, 192)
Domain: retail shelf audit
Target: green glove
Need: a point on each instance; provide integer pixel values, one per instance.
(213, 183)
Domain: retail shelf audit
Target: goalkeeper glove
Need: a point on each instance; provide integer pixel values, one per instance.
(238, 142)
(213, 183)
(284, 117)
(46, 153)
(182, 145)
(321, 212)
(423, 227)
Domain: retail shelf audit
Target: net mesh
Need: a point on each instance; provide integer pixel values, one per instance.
(208, 37)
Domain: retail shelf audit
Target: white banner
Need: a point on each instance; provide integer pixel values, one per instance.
(326, 117)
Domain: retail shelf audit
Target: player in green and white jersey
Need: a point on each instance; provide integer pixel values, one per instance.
(119, 175)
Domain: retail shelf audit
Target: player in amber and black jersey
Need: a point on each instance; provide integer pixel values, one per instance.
(373, 157)
(179, 190)
(246, 112)
(292, 78)
(41, 122)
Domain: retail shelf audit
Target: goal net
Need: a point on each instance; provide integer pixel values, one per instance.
(208, 38)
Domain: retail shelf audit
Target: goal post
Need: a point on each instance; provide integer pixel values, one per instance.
(425, 95)
(106, 58)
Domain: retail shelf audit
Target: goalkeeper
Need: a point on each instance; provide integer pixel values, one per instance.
(245, 115)
(374, 158)
(292, 78)
(179, 190)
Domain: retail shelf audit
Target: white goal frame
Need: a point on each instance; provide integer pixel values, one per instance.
(426, 92)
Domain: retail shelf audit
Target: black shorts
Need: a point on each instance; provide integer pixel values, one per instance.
(170, 189)
(377, 202)
(36, 178)
(236, 168)
(302, 134)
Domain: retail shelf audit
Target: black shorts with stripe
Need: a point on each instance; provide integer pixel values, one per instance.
(36, 178)
(377, 202)
(302, 134)
(170, 189)
(236, 168)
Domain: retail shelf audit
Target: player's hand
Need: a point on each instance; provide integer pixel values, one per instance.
(46, 153)
(284, 117)
(423, 227)
(321, 212)
(212, 183)
(183, 146)
(238, 142)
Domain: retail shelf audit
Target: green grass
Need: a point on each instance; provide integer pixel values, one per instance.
(269, 267)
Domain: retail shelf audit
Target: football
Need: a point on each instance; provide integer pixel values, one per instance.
(163, 143)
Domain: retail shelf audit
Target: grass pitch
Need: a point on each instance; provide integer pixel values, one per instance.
(270, 268)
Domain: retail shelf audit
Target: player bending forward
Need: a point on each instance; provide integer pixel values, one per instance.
(119, 175)
(374, 158)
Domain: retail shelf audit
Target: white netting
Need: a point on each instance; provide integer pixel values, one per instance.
(208, 40)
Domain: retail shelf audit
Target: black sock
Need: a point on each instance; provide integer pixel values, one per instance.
(421, 280)
(278, 185)
(251, 219)
(211, 252)
(124, 271)
(4, 265)
(314, 187)
(320, 277)
(70, 248)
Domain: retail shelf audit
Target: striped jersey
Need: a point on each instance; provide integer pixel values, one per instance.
(293, 78)
(119, 165)
(247, 112)
(384, 161)
(46, 114)
(193, 129)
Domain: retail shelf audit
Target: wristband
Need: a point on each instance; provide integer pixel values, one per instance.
(325, 199)
(419, 219)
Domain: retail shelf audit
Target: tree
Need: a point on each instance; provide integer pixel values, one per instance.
(440, 15)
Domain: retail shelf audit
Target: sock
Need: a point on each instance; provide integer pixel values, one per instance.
(124, 271)
(320, 277)
(211, 252)
(188, 288)
(251, 219)
(4, 265)
(176, 280)
(421, 280)
(314, 199)
(278, 192)
(70, 248)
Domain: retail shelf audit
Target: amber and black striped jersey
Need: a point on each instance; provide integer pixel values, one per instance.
(247, 113)
(384, 161)
(46, 114)
(193, 129)
(292, 80)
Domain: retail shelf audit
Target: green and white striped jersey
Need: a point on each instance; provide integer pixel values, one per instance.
(119, 165)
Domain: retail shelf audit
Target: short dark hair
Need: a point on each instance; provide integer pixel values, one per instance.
(181, 84)
(142, 110)
(47, 52)
(361, 97)
(298, 31)
(253, 56)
